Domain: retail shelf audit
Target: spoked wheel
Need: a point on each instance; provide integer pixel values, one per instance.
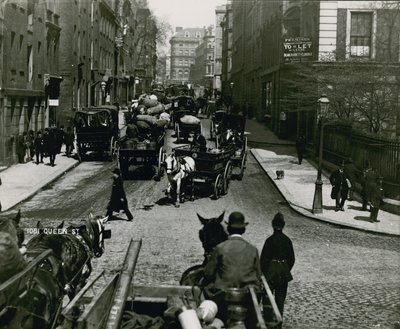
(218, 186)
(242, 166)
(81, 152)
(227, 176)
(160, 168)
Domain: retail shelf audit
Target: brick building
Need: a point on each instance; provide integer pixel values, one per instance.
(29, 48)
(183, 52)
(220, 12)
(283, 53)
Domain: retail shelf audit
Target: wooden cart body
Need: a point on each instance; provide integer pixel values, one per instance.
(111, 302)
(150, 153)
(212, 169)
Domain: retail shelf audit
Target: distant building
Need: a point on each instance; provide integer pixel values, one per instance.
(220, 12)
(183, 52)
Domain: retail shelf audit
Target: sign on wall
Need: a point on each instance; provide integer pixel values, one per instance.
(297, 49)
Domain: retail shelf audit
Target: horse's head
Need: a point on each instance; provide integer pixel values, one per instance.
(212, 232)
(97, 234)
(11, 226)
(172, 165)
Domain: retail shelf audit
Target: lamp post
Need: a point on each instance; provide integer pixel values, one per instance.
(323, 107)
(136, 82)
(231, 84)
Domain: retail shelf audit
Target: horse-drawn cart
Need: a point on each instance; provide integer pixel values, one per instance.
(96, 130)
(213, 168)
(232, 135)
(118, 303)
(144, 153)
(216, 120)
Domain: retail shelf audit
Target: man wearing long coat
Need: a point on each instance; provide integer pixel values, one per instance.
(118, 199)
(340, 187)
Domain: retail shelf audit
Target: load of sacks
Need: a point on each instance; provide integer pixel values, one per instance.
(147, 123)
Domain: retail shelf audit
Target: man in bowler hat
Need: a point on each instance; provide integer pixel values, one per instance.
(278, 253)
(234, 263)
(118, 199)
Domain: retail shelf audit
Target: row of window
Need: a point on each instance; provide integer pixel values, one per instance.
(180, 74)
(181, 62)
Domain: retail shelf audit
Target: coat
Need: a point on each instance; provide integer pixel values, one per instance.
(234, 263)
(118, 199)
(278, 247)
(340, 184)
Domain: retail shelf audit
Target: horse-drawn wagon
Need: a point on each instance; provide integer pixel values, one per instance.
(149, 152)
(115, 302)
(180, 106)
(96, 130)
(212, 168)
(232, 135)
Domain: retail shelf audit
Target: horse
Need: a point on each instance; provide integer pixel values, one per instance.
(11, 239)
(73, 247)
(12, 227)
(177, 172)
(211, 234)
(63, 272)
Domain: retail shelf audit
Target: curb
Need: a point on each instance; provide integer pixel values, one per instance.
(284, 192)
(30, 195)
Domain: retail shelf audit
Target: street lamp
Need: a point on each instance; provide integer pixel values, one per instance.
(231, 84)
(323, 106)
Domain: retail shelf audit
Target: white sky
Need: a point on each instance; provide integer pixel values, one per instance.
(186, 13)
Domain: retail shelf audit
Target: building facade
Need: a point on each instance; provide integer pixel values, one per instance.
(286, 54)
(29, 56)
(220, 12)
(183, 52)
(60, 56)
(226, 57)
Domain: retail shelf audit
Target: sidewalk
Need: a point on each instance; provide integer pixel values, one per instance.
(298, 186)
(22, 181)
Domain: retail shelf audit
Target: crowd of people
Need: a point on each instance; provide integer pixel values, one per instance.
(31, 146)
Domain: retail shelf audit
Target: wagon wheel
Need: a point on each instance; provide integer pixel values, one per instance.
(81, 151)
(113, 147)
(160, 168)
(227, 176)
(218, 186)
(242, 166)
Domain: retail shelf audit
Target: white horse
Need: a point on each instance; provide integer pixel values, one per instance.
(177, 171)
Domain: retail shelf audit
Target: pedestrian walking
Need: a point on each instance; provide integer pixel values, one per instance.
(340, 187)
(50, 145)
(353, 174)
(368, 181)
(375, 199)
(20, 147)
(300, 147)
(31, 146)
(277, 260)
(69, 141)
(60, 136)
(39, 147)
(234, 263)
(118, 199)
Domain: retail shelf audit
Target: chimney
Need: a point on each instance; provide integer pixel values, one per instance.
(178, 28)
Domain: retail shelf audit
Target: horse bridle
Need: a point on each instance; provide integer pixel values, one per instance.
(178, 166)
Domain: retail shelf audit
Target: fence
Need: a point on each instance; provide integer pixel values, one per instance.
(341, 143)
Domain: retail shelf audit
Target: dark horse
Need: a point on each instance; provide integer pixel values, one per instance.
(64, 271)
(211, 234)
(73, 250)
(12, 236)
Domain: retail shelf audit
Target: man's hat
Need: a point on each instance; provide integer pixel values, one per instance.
(236, 219)
(116, 171)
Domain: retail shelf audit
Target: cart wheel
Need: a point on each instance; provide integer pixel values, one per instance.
(112, 148)
(218, 186)
(242, 166)
(160, 168)
(177, 131)
(81, 152)
(227, 176)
